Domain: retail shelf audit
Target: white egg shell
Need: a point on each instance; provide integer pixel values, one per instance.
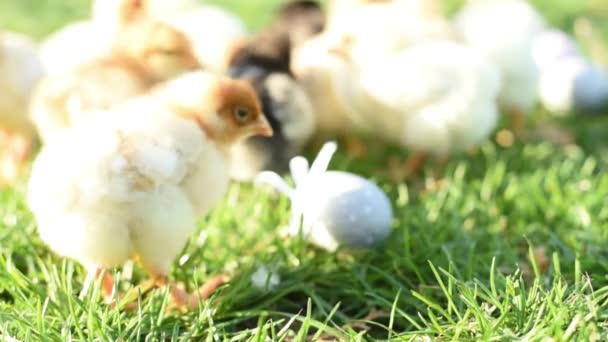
(341, 208)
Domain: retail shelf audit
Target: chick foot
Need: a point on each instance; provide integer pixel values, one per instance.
(180, 298)
(107, 284)
(400, 170)
(185, 301)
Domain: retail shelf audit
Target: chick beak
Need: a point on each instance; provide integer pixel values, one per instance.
(262, 127)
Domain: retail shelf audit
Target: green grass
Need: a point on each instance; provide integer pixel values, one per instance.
(513, 246)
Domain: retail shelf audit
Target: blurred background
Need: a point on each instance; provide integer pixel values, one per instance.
(40, 17)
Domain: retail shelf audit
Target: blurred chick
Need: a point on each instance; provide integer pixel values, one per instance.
(144, 53)
(265, 61)
(504, 30)
(386, 25)
(94, 36)
(92, 40)
(213, 32)
(20, 70)
(140, 175)
(436, 97)
(367, 28)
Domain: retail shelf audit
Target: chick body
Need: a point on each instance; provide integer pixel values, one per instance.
(90, 38)
(447, 105)
(504, 31)
(436, 97)
(144, 53)
(141, 173)
(130, 189)
(213, 32)
(20, 70)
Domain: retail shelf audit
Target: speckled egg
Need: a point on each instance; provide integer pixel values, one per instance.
(341, 208)
(333, 208)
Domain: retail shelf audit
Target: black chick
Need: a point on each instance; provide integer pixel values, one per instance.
(264, 60)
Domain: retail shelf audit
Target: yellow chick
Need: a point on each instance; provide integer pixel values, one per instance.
(94, 36)
(212, 30)
(20, 70)
(504, 31)
(145, 52)
(140, 175)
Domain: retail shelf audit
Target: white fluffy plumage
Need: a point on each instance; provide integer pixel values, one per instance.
(91, 39)
(138, 178)
(315, 67)
(435, 97)
(20, 70)
(213, 32)
(504, 30)
(386, 26)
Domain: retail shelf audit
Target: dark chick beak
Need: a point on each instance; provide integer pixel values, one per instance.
(262, 127)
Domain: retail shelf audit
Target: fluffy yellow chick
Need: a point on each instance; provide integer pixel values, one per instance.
(385, 25)
(146, 52)
(94, 36)
(369, 29)
(20, 70)
(139, 176)
(436, 97)
(212, 30)
(504, 30)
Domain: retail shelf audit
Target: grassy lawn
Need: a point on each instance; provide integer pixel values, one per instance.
(513, 245)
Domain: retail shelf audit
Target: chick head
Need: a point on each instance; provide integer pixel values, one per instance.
(302, 20)
(238, 112)
(162, 51)
(227, 110)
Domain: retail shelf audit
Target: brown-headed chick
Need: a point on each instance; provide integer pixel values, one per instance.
(141, 175)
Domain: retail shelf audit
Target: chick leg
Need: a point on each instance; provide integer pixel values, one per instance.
(400, 170)
(518, 122)
(437, 181)
(355, 148)
(107, 283)
(182, 299)
(15, 154)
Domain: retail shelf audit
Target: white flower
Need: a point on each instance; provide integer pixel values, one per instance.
(265, 279)
(303, 177)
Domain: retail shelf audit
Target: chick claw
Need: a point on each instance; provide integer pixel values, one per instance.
(400, 170)
(185, 301)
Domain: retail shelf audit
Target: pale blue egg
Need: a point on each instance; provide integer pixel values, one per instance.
(591, 90)
(344, 209)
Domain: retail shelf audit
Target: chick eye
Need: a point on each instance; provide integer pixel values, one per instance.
(242, 114)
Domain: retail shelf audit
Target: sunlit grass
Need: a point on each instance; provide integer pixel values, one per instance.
(512, 245)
